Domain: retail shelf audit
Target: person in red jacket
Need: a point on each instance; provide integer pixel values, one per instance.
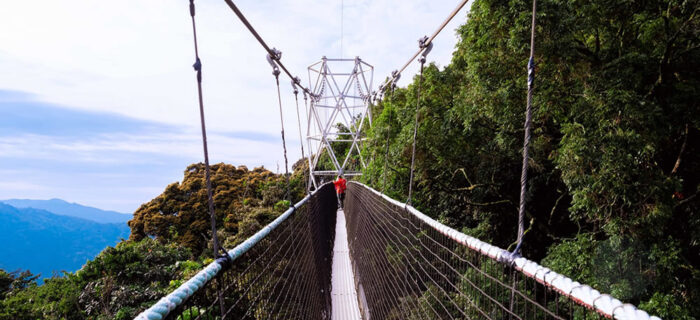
(340, 190)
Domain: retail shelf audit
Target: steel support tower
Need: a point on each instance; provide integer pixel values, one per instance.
(338, 110)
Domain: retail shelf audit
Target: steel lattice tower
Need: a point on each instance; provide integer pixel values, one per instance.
(338, 110)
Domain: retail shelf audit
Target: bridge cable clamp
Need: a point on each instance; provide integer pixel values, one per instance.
(427, 47)
(272, 59)
(296, 82)
(225, 261)
(395, 76)
(509, 257)
(530, 71)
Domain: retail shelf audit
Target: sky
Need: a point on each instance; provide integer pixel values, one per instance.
(98, 99)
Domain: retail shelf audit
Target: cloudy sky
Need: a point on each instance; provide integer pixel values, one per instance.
(98, 98)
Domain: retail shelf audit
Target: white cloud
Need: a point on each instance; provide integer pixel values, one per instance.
(134, 57)
(126, 149)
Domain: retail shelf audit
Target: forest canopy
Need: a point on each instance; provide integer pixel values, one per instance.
(615, 151)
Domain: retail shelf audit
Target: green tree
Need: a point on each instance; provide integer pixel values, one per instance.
(615, 156)
(241, 197)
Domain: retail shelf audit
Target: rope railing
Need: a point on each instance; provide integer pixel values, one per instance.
(281, 272)
(409, 266)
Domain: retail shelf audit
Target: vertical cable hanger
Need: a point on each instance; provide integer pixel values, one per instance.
(224, 259)
(425, 47)
(295, 82)
(391, 87)
(526, 139)
(272, 59)
(306, 114)
(198, 68)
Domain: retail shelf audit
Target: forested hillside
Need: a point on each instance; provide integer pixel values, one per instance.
(169, 243)
(64, 208)
(244, 201)
(615, 156)
(65, 243)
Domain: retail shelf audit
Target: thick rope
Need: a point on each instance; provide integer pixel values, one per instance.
(427, 46)
(307, 115)
(212, 215)
(296, 82)
(276, 72)
(198, 67)
(528, 124)
(391, 88)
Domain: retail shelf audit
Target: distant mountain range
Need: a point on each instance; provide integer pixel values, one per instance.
(64, 208)
(44, 242)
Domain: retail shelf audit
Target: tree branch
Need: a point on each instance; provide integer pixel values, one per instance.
(680, 153)
(483, 204)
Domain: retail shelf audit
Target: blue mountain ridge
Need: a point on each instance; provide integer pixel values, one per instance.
(64, 208)
(45, 243)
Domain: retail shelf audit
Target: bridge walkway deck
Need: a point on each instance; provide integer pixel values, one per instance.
(343, 294)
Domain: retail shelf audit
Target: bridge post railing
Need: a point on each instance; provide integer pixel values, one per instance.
(413, 267)
(283, 270)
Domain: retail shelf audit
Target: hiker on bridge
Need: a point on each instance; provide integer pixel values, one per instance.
(340, 189)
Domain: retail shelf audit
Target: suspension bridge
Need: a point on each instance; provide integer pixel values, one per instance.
(375, 258)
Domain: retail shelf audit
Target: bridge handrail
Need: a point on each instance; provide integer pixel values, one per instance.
(168, 303)
(604, 304)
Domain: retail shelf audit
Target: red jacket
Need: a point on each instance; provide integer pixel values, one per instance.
(340, 185)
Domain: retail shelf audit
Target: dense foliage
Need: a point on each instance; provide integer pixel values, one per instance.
(245, 200)
(112, 286)
(615, 155)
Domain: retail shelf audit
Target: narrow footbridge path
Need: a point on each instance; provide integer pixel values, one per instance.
(344, 295)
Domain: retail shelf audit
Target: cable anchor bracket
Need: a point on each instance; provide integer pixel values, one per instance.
(395, 76)
(272, 59)
(427, 47)
(296, 82)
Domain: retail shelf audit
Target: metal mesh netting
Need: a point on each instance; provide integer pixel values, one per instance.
(286, 275)
(406, 269)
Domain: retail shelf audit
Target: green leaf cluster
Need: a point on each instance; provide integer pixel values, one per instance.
(614, 172)
(244, 201)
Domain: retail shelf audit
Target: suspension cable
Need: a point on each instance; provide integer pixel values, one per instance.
(307, 115)
(198, 68)
(273, 60)
(528, 124)
(395, 74)
(425, 48)
(429, 41)
(257, 36)
(295, 83)
(225, 258)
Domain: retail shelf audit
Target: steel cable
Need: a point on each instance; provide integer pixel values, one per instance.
(428, 41)
(207, 172)
(427, 47)
(388, 132)
(526, 139)
(273, 60)
(257, 36)
(296, 82)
